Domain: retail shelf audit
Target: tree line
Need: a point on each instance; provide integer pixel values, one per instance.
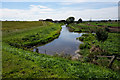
(72, 20)
(67, 21)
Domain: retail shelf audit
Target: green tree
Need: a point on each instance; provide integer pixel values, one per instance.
(70, 20)
(79, 21)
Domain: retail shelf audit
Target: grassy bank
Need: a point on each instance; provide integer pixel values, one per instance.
(29, 34)
(109, 47)
(19, 62)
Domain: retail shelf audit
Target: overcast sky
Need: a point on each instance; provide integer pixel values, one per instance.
(32, 10)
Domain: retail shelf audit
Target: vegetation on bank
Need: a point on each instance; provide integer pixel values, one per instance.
(109, 47)
(19, 62)
(95, 42)
(30, 34)
(25, 64)
(93, 45)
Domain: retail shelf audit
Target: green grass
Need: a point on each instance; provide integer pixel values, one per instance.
(110, 46)
(29, 35)
(24, 64)
(112, 43)
(12, 27)
(19, 62)
(16, 67)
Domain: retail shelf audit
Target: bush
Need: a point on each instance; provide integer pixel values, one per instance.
(101, 35)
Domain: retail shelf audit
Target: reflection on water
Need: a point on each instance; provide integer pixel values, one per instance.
(66, 43)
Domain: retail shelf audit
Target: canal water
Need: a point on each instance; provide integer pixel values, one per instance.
(66, 43)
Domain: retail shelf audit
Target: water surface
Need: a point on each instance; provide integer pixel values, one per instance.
(66, 43)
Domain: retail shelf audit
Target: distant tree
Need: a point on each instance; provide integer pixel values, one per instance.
(56, 21)
(70, 20)
(104, 21)
(101, 35)
(90, 20)
(49, 20)
(62, 21)
(116, 20)
(79, 21)
(109, 20)
(40, 19)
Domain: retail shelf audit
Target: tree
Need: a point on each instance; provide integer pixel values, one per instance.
(50, 20)
(101, 35)
(62, 21)
(70, 20)
(109, 20)
(79, 21)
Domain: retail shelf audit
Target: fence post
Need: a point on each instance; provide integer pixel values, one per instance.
(111, 61)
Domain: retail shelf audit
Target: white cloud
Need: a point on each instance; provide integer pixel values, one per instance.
(40, 9)
(104, 13)
(37, 12)
(38, 6)
(33, 13)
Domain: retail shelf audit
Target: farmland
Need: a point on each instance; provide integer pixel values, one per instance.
(20, 62)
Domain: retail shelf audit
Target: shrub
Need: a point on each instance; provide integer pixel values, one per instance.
(101, 35)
